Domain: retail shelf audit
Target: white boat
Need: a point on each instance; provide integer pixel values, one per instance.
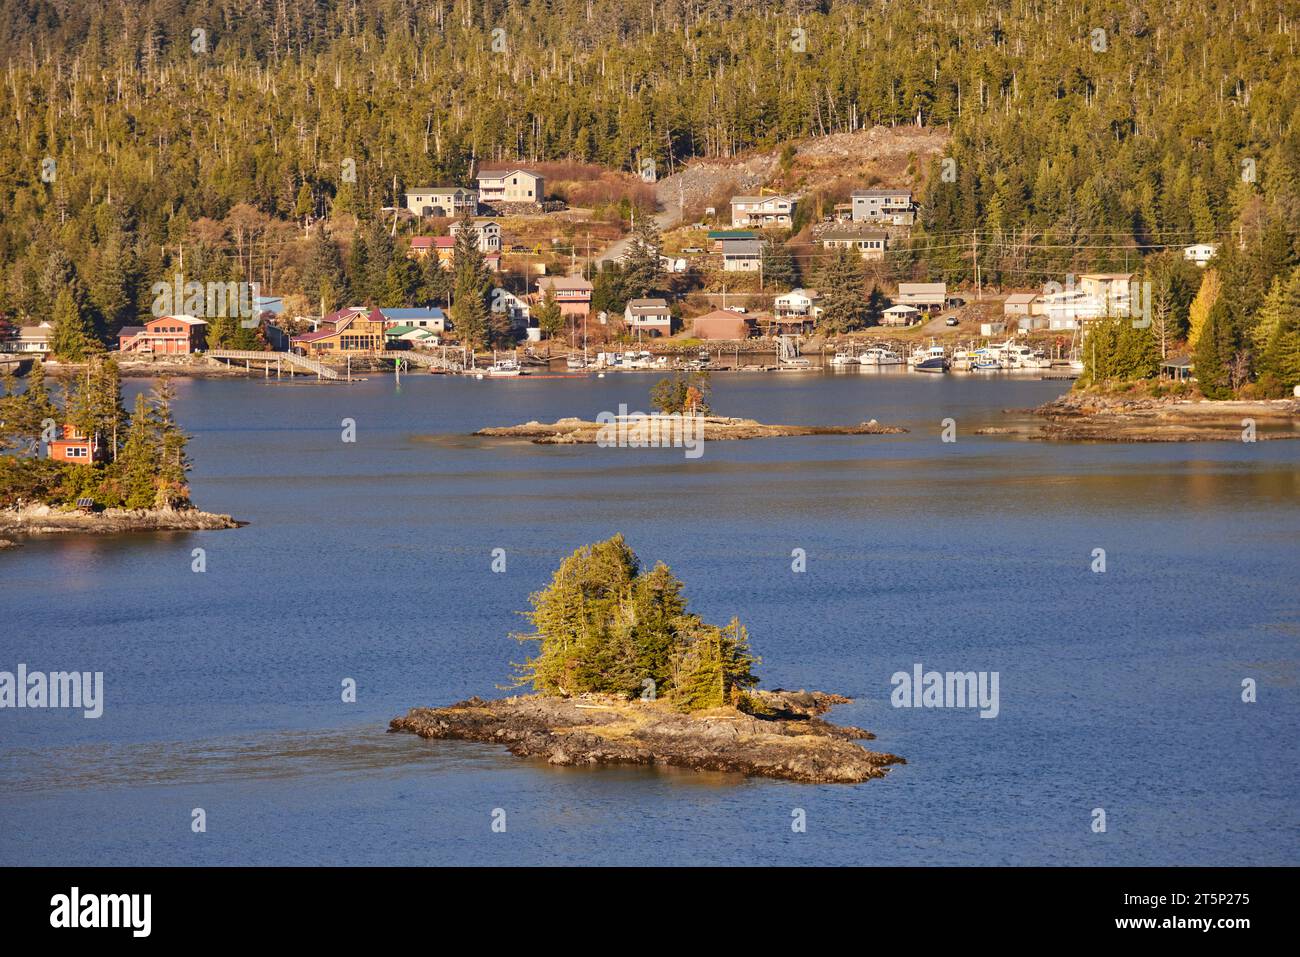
(880, 356)
(576, 362)
(504, 368)
(842, 359)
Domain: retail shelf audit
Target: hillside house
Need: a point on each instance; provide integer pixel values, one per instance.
(798, 303)
(649, 317)
(742, 255)
(572, 293)
(513, 185)
(489, 234)
(763, 212)
(871, 245)
(925, 296)
(892, 206)
(444, 201)
(1200, 253)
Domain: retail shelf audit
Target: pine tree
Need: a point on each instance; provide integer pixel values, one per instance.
(137, 464)
(842, 285)
(1213, 353)
(323, 280)
(642, 271)
(172, 463)
(73, 337)
(471, 285)
(549, 316)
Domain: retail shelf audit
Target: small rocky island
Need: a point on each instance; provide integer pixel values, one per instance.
(625, 675)
(573, 431)
(1097, 416)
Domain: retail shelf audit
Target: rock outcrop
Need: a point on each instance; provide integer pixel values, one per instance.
(790, 742)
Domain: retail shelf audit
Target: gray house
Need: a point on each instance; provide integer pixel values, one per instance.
(893, 206)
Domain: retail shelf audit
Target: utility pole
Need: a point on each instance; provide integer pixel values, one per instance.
(975, 263)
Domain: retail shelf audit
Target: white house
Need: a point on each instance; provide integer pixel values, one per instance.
(1200, 253)
(489, 234)
(899, 315)
(798, 302)
(762, 211)
(30, 339)
(519, 312)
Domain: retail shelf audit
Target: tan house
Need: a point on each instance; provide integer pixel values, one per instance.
(31, 339)
(762, 211)
(925, 296)
(722, 324)
(1019, 304)
(509, 186)
(447, 201)
(871, 245)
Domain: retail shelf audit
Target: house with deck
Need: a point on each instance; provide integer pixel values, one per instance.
(763, 212)
(924, 296)
(891, 206)
(442, 201)
(509, 185)
(165, 335)
(799, 303)
(30, 339)
(350, 330)
(488, 231)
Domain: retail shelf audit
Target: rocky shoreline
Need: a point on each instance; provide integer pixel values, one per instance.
(35, 520)
(791, 742)
(1091, 416)
(574, 431)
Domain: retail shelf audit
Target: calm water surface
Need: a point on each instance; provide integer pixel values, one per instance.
(372, 560)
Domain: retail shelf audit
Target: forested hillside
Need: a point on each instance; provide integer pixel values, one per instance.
(1084, 133)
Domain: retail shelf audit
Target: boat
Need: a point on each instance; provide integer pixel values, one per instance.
(504, 368)
(880, 356)
(931, 359)
(576, 362)
(986, 364)
(841, 359)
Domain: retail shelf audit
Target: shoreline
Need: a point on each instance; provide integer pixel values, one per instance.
(792, 743)
(33, 521)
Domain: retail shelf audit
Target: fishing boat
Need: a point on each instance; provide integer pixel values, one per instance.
(842, 359)
(880, 356)
(504, 369)
(930, 359)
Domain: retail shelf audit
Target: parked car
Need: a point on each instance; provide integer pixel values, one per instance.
(740, 309)
(950, 321)
(692, 249)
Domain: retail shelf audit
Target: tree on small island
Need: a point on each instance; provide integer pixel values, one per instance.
(141, 460)
(605, 626)
(685, 393)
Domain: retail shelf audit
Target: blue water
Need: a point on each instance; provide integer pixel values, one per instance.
(372, 561)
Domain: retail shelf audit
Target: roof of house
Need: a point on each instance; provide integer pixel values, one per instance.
(35, 332)
(902, 307)
(414, 312)
(506, 171)
(717, 314)
(399, 330)
(882, 191)
(1022, 298)
(130, 330)
(839, 235)
(439, 189)
(565, 282)
(760, 199)
(809, 294)
(1108, 276)
(647, 303)
(313, 336)
(421, 242)
(922, 288)
(444, 242)
(732, 234)
(188, 320)
(741, 247)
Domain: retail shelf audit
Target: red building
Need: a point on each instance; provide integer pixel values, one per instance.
(166, 335)
(76, 447)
